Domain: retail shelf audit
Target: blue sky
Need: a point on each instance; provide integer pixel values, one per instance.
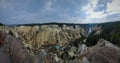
(65, 11)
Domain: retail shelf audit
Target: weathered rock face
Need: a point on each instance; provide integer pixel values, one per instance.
(49, 34)
(104, 55)
(18, 45)
(13, 47)
(36, 36)
(4, 58)
(104, 52)
(102, 43)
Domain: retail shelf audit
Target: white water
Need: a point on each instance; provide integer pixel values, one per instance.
(90, 30)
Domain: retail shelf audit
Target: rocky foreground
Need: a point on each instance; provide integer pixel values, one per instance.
(54, 44)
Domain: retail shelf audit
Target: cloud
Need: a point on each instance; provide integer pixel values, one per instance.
(114, 6)
(42, 11)
(102, 5)
(99, 10)
(91, 13)
(5, 5)
(48, 5)
(74, 11)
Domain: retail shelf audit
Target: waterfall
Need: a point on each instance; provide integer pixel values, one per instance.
(89, 31)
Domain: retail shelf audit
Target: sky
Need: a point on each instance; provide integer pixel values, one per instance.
(61, 11)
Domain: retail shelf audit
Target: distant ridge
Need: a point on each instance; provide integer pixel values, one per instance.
(51, 23)
(59, 23)
(1, 24)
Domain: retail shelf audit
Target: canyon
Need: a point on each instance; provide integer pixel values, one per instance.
(60, 43)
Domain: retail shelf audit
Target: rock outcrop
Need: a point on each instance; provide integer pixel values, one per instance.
(14, 49)
(104, 52)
